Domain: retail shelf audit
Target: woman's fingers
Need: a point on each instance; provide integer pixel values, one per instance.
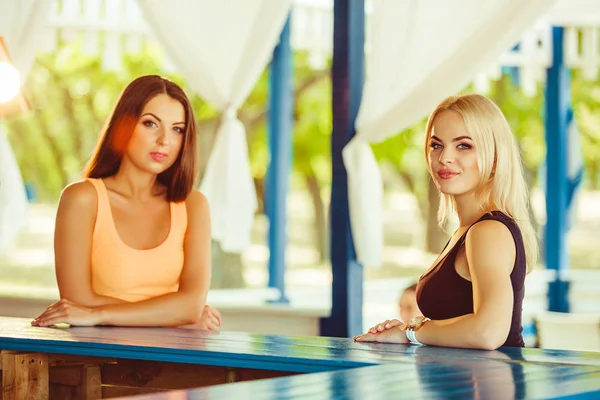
(387, 324)
(366, 337)
(378, 327)
(392, 323)
(212, 326)
(217, 315)
(55, 318)
(213, 312)
(58, 309)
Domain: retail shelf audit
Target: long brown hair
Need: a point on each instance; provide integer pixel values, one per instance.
(106, 158)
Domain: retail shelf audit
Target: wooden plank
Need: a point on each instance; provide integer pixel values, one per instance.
(24, 376)
(91, 388)
(75, 382)
(69, 375)
(162, 375)
(68, 359)
(247, 374)
(386, 370)
(109, 391)
(243, 350)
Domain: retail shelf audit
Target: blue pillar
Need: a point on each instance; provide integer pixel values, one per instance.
(513, 72)
(557, 107)
(280, 123)
(347, 83)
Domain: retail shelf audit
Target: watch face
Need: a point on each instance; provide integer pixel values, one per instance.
(416, 322)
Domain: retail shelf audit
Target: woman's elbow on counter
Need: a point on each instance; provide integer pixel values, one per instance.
(488, 338)
(191, 310)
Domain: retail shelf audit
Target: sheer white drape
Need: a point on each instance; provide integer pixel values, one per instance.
(23, 28)
(421, 51)
(221, 48)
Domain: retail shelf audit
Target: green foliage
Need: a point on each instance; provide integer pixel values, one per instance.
(586, 107)
(71, 96)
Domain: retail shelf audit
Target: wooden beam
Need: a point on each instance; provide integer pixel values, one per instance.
(67, 359)
(24, 376)
(76, 382)
(171, 376)
(109, 391)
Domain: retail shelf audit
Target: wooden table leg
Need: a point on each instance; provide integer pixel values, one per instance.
(75, 382)
(24, 376)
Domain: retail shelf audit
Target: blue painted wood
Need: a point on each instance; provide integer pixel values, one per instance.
(281, 98)
(556, 113)
(338, 368)
(404, 381)
(252, 350)
(513, 72)
(347, 83)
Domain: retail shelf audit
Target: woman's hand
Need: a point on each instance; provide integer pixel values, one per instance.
(389, 331)
(209, 320)
(387, 324)
(395, 334)
(67, 312)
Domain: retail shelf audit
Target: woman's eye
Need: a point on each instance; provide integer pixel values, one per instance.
(179, 129)
(149, 124)
(435, 146)
(464, 146)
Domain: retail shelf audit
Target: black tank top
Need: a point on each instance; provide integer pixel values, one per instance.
(442, 293)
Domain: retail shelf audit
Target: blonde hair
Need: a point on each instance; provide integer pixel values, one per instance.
(502, 186)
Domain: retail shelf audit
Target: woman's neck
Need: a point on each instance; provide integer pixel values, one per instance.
(134, 183)
(469, 209)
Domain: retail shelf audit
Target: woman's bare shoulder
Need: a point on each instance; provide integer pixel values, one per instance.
(196, 202)
(81, 195)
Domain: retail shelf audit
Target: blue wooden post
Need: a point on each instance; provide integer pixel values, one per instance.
(513, 72)
(557, 106)
(347, 83)
(281, 99)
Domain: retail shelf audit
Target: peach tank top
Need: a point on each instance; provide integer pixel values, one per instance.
(129, 274)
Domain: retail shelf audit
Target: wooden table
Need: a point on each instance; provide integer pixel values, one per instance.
(90, 363)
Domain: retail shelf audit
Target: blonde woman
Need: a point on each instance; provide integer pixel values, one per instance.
(471, 297)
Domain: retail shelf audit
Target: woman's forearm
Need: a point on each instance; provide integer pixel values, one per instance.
(99, 301)
(173, 309)
(467, 331)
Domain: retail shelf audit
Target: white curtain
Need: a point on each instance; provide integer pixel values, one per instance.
(221, 48)
(23, 24)
(23, 28)
(420, 52)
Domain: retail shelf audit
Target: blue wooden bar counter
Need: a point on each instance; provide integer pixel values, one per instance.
(318, 367)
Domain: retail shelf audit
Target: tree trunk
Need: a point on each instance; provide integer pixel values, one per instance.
(76, 128)
(54, 149)
(320, 219)
(259, 187)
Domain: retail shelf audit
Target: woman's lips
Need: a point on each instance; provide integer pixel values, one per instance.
(157, 156)
(444, 174)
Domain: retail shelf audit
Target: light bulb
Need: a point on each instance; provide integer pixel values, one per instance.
(10, 82)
